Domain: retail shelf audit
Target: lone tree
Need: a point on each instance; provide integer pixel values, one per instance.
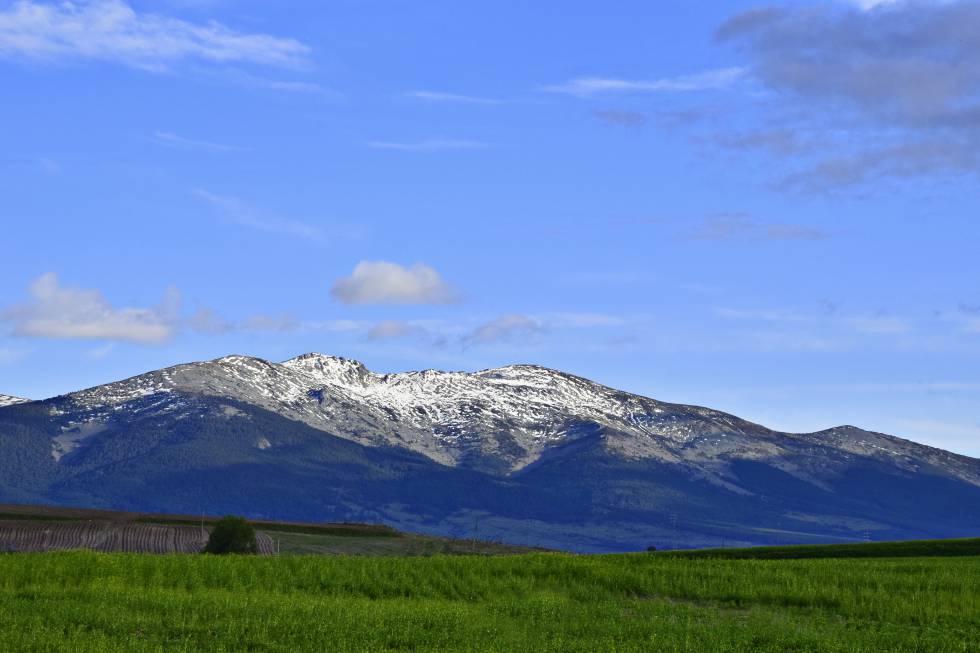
(232, 535)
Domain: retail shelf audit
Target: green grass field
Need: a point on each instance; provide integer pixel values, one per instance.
(405, 544)
(82, 601)
(910, 549)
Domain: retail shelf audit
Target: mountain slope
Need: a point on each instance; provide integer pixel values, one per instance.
(7, 400)
(523, 453)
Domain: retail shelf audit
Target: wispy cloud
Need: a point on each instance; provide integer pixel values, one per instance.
(335, 326)
(764, 314)
(739, 226)
(250, 80)
(434, 145)
(867, 5)
(112, 30)
(512, 328)
(261, 322)
(621, 118)
(585, 320)
(455, 98)
(887, 89)
(703, 81)
(169, 139)
(914, 159)
(504, 328)
(832, 330)
(776, 141)
(238, 212)
(879, 323)
(394, 330)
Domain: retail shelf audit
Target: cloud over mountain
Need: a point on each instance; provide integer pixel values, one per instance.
(381, 282)
(57, 311)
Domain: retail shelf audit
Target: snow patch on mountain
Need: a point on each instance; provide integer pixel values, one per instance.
(7, 400)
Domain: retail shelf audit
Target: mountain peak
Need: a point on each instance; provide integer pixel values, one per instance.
(239, 359)
(523, 371)
(315, 362)
(522, 368)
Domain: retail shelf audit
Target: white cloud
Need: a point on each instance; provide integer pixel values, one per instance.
(434, 96)
(381, 282)
(55, 311)
(505, 327)
(170, 139)
(111, 30)
(434, 145)
(704, 81)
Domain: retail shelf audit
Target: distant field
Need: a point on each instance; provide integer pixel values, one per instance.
(130, 537)
(915, 548)
(84, 602)
(37, 529)
(57, 513)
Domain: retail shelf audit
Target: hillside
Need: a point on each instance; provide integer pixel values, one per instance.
(522, 454)
(7, 400)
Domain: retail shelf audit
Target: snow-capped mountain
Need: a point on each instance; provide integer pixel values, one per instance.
(506, 417)
(434, 447)
(7, 400)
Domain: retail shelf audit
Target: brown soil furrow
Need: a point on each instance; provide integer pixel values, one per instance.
(105, 536)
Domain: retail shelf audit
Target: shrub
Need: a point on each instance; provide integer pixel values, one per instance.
(232, 535)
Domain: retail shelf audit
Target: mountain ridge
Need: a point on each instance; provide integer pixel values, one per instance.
(436, 448)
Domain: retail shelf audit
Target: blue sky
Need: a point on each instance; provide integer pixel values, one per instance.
(766, 209)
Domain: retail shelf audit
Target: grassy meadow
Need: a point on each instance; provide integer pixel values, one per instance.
(84, 601)
(909, 549)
